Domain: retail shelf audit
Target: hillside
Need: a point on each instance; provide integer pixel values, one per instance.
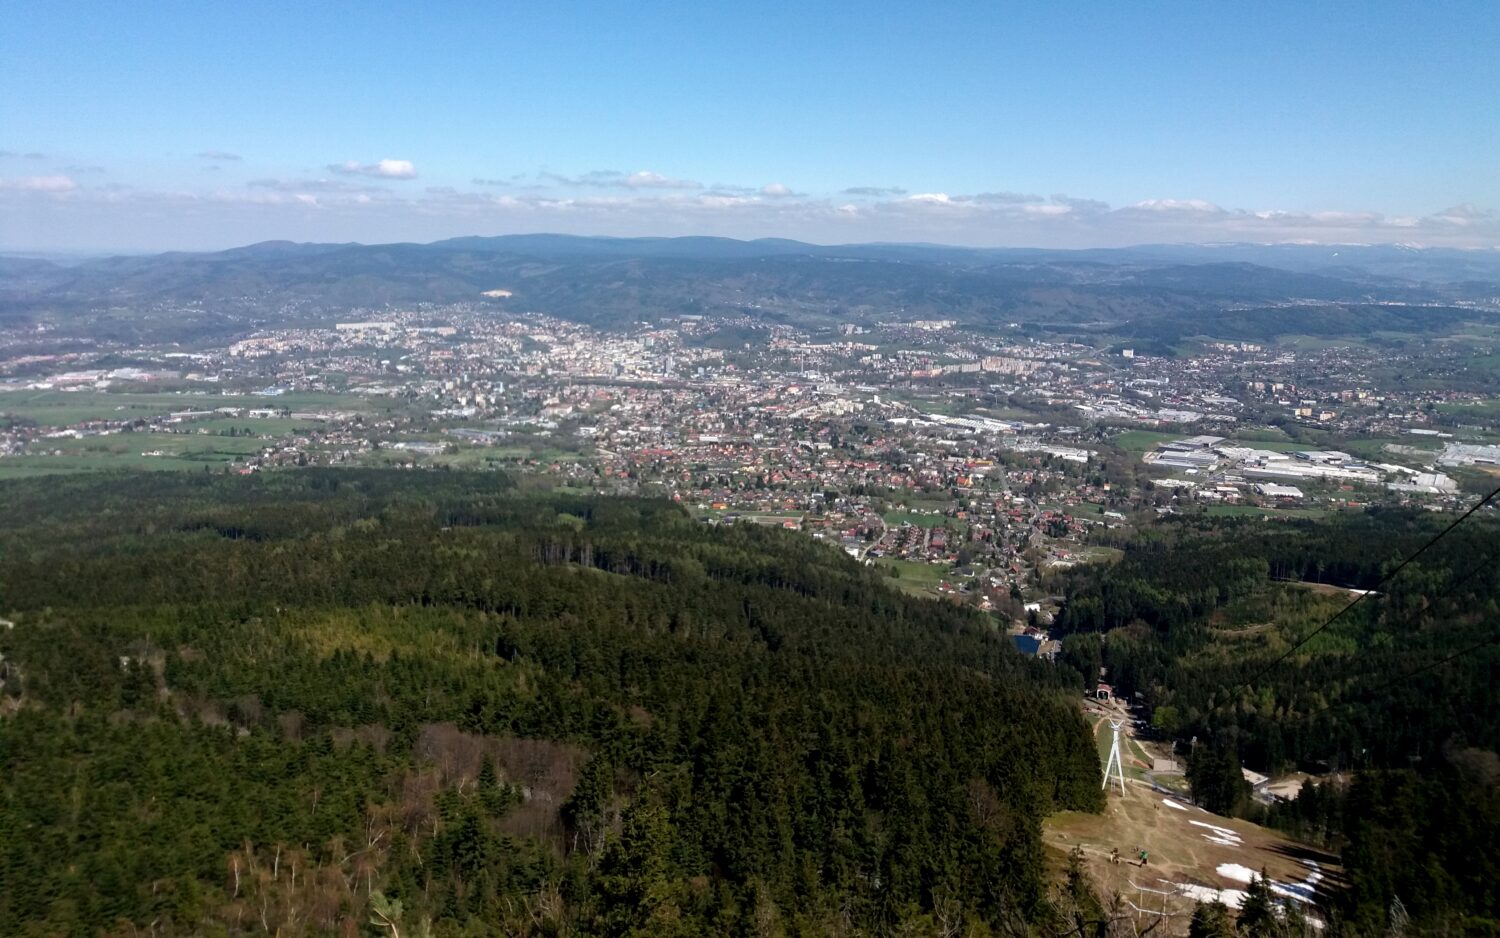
(1192, 856)
(1236, 639)
(292, 703)
(1148, 293)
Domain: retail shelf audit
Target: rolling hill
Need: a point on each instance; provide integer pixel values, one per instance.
(1151, 291)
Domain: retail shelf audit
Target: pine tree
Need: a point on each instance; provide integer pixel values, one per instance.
(1258, 918)
(1211, 920)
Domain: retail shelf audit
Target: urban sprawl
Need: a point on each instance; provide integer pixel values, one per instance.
(966, 464)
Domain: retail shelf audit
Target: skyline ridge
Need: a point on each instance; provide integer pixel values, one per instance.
(84, 254)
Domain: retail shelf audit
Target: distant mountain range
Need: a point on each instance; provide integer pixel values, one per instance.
(1357, 261)
(1166, 291)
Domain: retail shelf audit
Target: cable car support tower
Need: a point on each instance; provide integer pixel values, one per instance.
(1114, 757)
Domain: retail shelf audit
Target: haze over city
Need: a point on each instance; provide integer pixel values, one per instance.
(193, 126)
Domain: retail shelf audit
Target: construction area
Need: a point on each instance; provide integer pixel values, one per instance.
(1161, 854)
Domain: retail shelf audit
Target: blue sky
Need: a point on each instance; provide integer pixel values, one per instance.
(201, 125)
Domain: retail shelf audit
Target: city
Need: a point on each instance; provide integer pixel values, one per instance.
(963, 464)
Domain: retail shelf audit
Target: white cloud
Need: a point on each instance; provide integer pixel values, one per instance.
(341, 208)
(219, 155)
(1198, 206)
(597, 177)
(314, 185)
(384, 169)
(1046, 209)
(1465, 215)
(38, 183)
(874, 192)
(645, 179)
(723, 201)
(725, 189)
(614, 179)
(1082, 206)
(1000, 198)
(1324, 219)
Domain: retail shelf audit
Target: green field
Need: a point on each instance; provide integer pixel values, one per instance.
(913, 518)
(1483, 411)
(919, 578)
(189, 449)
(1006, 413)
(937, 501)
(128, 451)
(1143, 441)
(1078, 510)
(64, 408)
(1244, 511)
(23, 466)
(1483, 363)
(747, 514)
(1310, 343)
(484, 457)
(192, 445)
(1375, 449)
(932, 403)
(262, 426)
(1275, 446)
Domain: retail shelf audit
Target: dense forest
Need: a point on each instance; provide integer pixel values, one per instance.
(1394, 701)
(366, 702)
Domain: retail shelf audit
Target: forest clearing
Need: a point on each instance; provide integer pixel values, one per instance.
(1192, 855)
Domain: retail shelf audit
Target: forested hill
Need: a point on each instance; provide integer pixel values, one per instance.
(1201, 622)
(307, 702)
(1162, 293)
(1195, 614)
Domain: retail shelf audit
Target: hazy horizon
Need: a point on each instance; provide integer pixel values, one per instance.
(81, 254)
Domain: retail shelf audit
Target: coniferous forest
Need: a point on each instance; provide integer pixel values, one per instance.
(365, 702)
